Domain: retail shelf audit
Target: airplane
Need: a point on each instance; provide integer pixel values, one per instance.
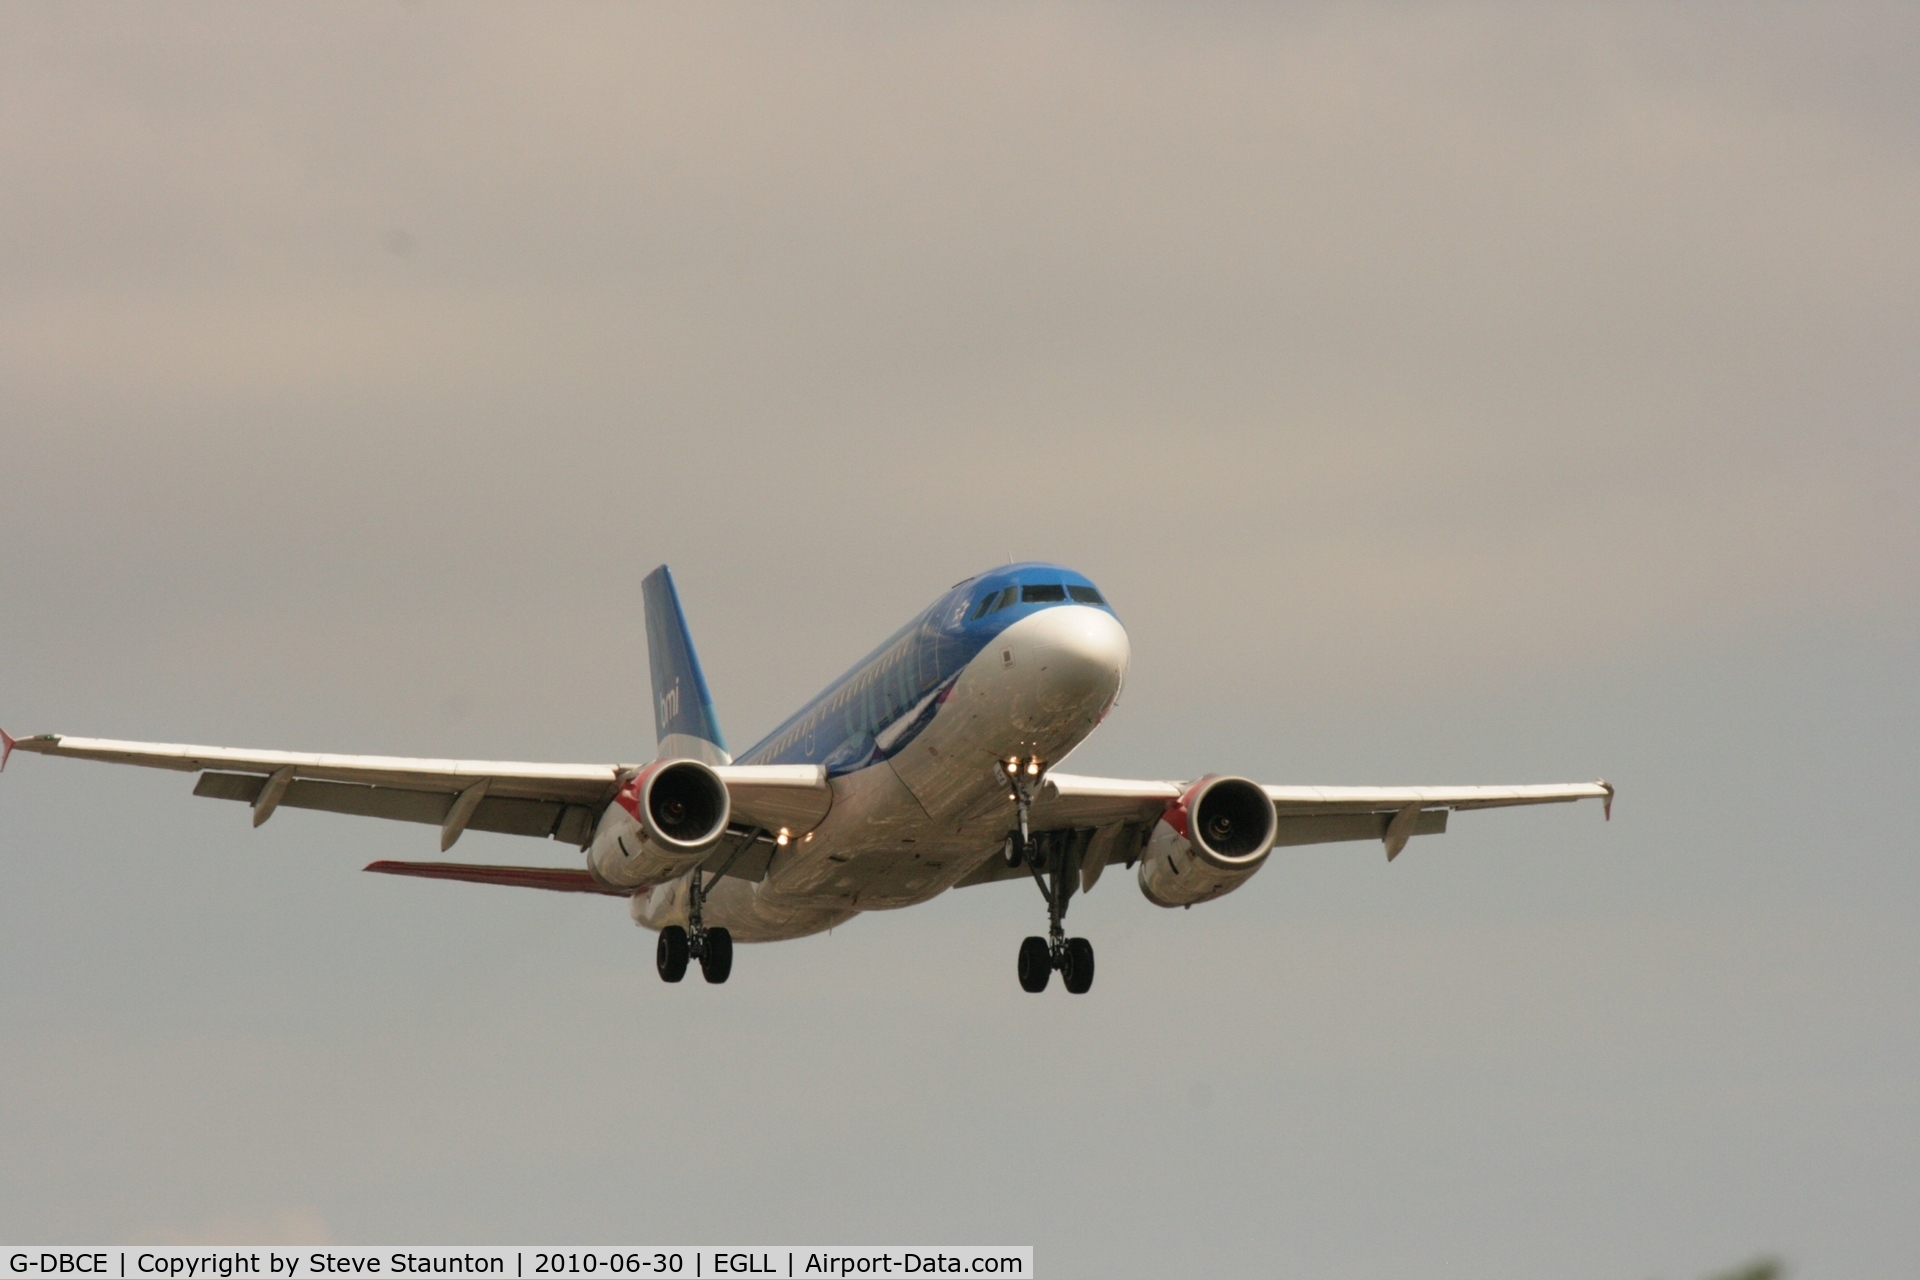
(928, 766)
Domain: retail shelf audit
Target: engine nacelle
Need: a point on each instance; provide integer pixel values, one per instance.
(666, 818)
(1208, 842)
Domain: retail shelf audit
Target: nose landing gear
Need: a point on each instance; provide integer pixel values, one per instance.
(1054, 859)
(713, 948)
(1039, 957)
(1023, 784)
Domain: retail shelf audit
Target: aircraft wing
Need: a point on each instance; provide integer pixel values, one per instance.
(1071, 800)
(1122, 811)
(559, 879)
(557, 801)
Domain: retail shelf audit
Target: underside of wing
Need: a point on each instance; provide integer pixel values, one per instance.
(1070, 800)
(557, 801)
(585, 783)
(552, 801)
(558, 879)
(1394, 815)
(1074, 799)
(773, 796)
(1329, 800)
(1114, 815)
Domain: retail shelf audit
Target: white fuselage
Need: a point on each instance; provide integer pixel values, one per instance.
(914, 824)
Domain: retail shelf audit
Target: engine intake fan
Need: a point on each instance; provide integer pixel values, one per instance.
(666, 818)
(1208, 842)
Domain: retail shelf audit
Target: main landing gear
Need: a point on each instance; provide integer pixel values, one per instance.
(1053, 857)
(1039, 957)
(713, 948)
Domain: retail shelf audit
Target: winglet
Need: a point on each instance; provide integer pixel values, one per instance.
(6, 749)
(1606, 806)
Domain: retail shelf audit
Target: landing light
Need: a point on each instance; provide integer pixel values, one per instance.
(1033, 767)
(782, 838)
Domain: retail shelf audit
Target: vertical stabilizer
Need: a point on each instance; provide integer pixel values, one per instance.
(683, 718)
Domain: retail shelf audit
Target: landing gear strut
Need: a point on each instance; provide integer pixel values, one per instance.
(1023, 784)
(1039, 957)
(713, 948)
(1054, 859)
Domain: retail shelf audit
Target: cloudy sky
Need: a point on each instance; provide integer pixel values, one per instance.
(1442, 393)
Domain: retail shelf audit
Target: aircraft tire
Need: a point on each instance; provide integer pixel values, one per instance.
(1036, 965)
(1079, 971)
(716, 961)
(670, 954)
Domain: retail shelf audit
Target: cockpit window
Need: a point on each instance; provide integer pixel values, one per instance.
(986, 603)
(1085, 595)
(1006, 598)
(1042, 593)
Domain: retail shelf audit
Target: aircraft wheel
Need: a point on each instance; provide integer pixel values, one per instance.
(670, 954)
(716, 958)
(1036, 965)
(1079, 970)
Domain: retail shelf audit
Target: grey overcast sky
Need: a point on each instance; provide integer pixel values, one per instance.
(1442, 393)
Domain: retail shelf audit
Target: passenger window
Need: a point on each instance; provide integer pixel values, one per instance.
(1085, 595)
(1042, 593)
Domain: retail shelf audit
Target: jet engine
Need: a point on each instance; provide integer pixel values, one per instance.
(665, 819)
(1208, 842)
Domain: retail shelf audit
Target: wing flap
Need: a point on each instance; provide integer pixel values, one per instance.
(1331, 828)
(541, 818)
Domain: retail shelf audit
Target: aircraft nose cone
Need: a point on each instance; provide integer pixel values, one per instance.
(1083, 649)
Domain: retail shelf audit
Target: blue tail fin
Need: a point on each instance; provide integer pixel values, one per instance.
(683, 715)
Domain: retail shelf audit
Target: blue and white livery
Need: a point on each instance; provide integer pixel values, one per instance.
(926, 767)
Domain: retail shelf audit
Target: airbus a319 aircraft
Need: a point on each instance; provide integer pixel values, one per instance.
(929, 766)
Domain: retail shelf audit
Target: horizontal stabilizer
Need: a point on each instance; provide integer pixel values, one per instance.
(559, 879)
